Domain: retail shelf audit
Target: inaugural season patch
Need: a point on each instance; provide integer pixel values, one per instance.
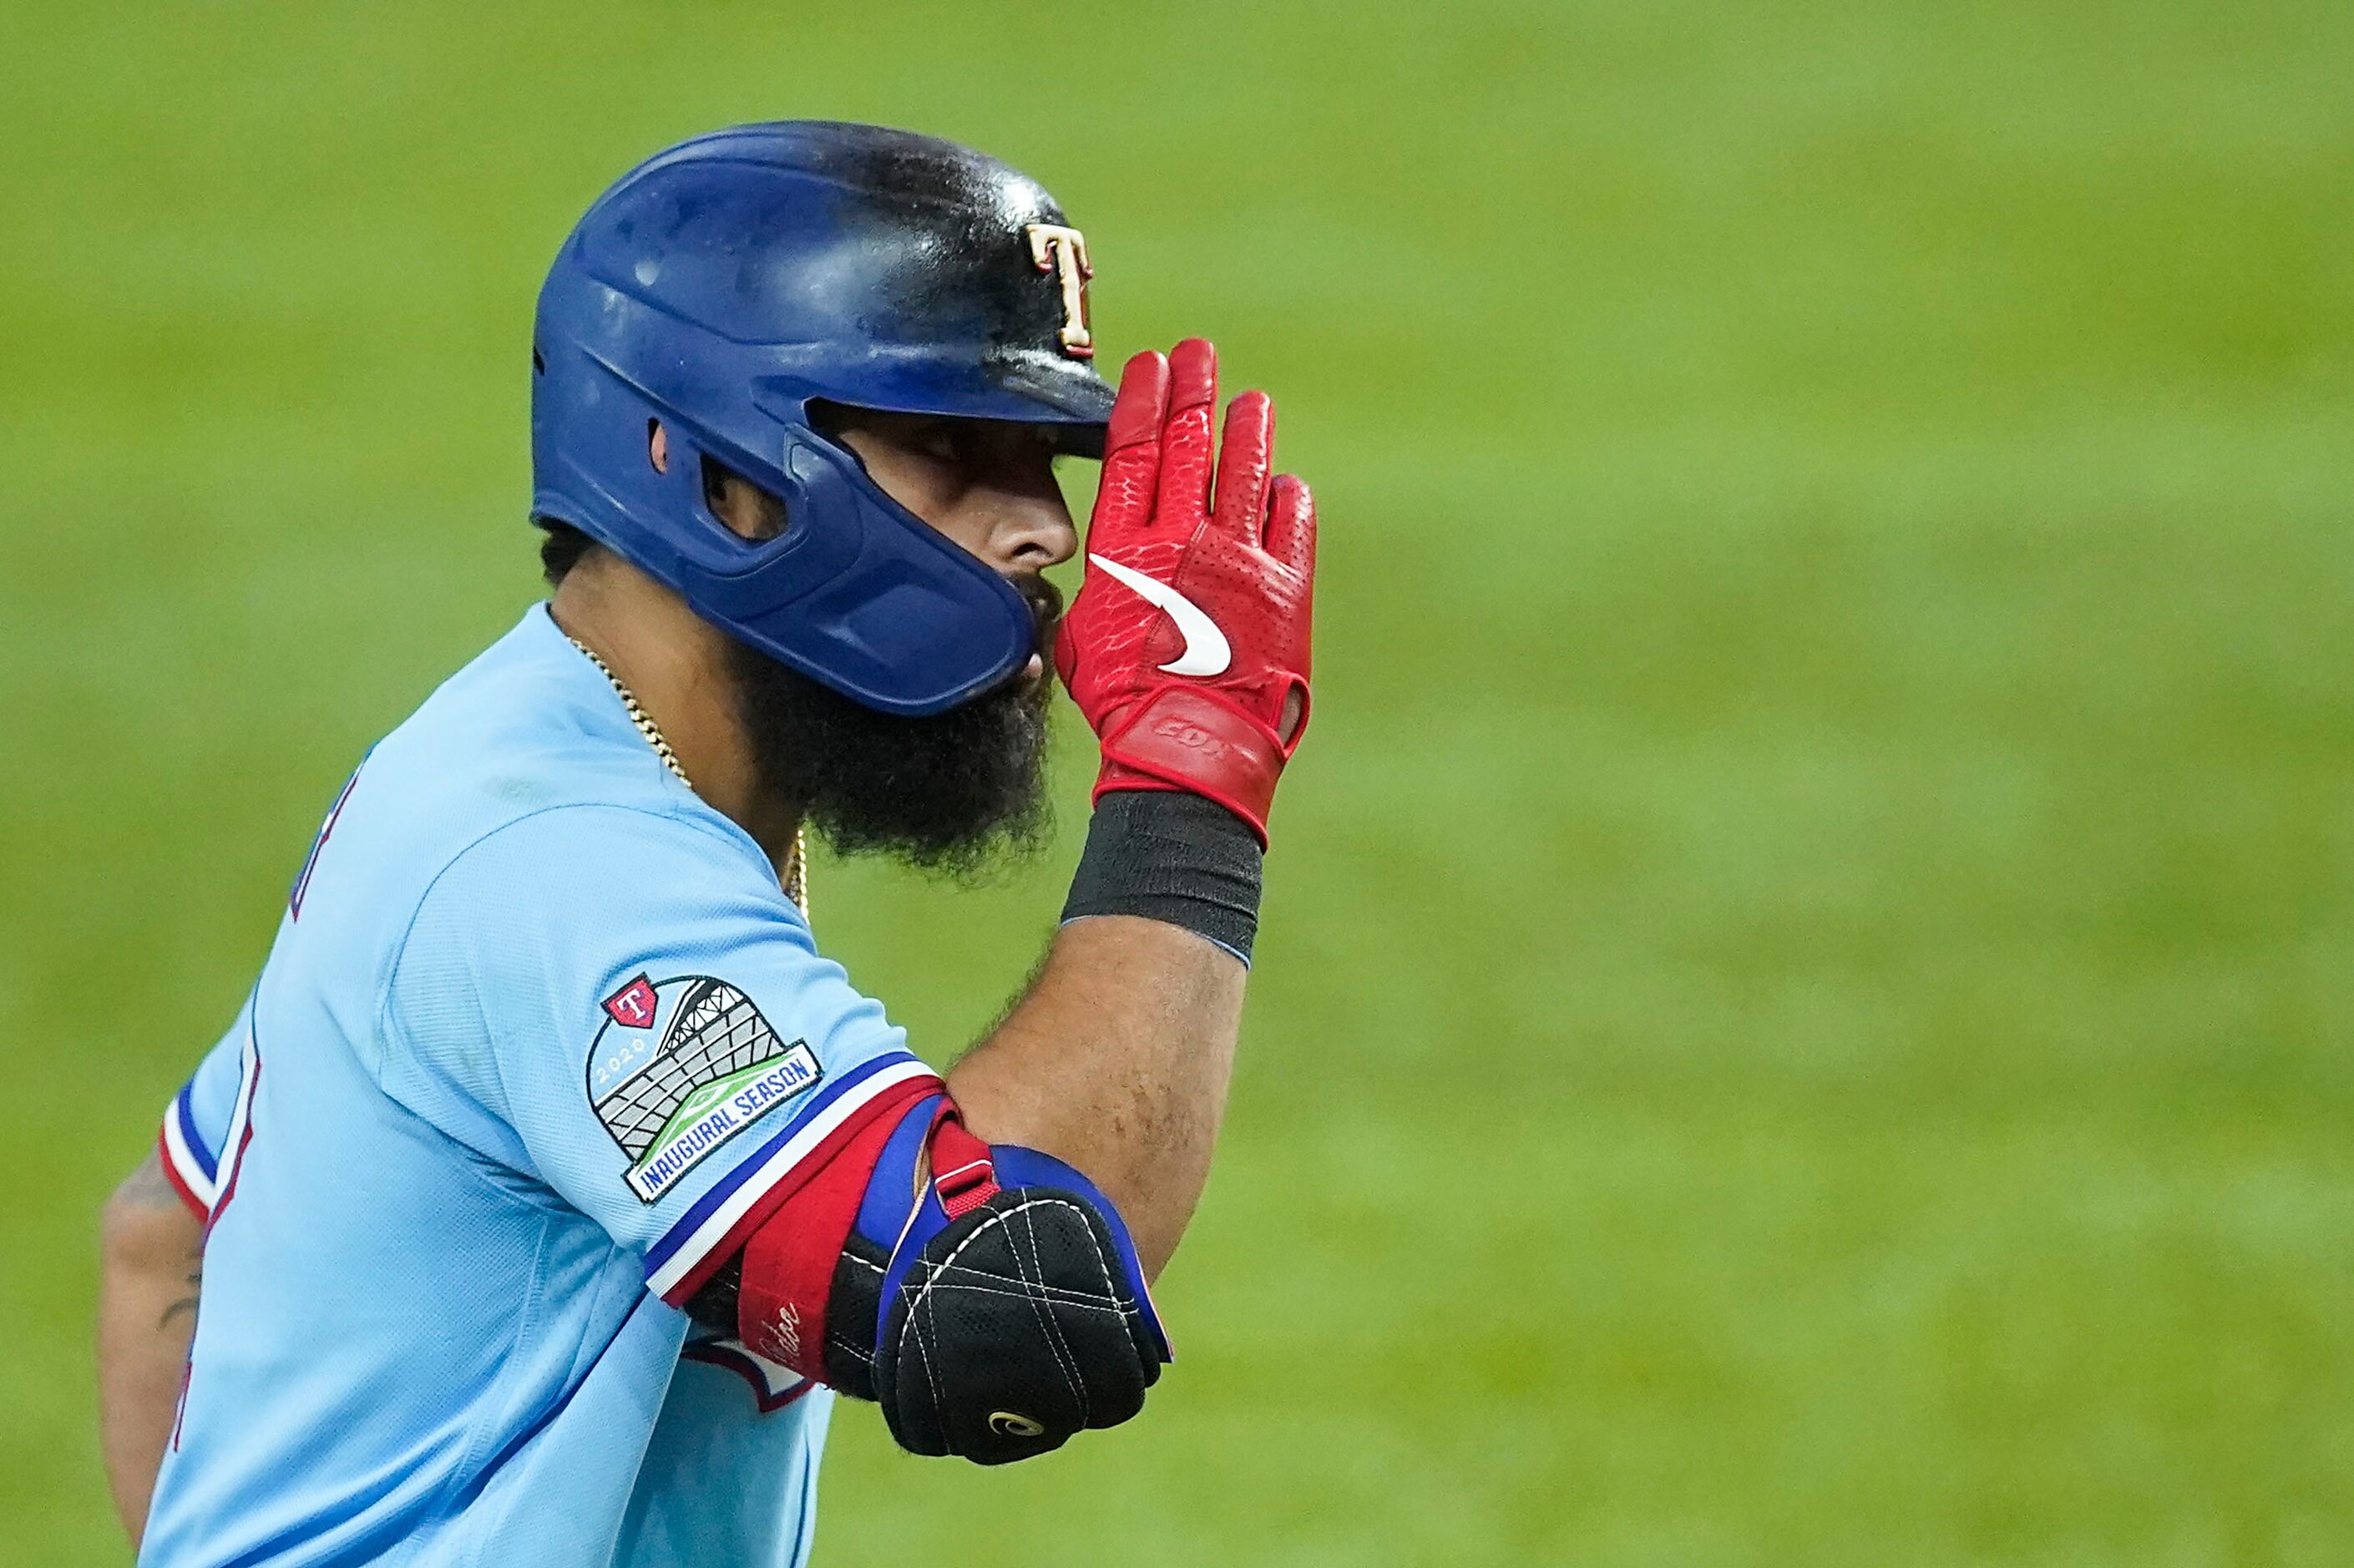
(681, 1066)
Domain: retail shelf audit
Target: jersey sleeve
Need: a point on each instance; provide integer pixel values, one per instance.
(197, 1122)
(623, 1006)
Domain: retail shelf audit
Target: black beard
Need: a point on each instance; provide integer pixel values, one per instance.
(958, 794)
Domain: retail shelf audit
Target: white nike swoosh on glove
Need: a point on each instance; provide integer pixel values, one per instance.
(1206, 653)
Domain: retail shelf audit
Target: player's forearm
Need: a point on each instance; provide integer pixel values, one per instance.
(146, 1314)
(1187, 650)
(1118, 1061)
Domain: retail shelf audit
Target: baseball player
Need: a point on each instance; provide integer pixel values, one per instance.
(551, 1183)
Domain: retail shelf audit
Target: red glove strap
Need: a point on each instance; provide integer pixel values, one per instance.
(1195, 739)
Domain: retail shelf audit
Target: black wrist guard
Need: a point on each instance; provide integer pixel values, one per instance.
(1176, 858)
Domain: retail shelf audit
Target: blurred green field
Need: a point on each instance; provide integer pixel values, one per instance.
(1806, 1006)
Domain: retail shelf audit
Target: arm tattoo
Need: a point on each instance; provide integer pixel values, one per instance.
(187, 1303)
(149, 1189)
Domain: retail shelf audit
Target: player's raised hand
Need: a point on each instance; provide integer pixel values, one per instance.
(1187, 647)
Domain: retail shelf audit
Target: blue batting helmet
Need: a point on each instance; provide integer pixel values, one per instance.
(724, 286)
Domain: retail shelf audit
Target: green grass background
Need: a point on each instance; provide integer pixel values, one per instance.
(1804, 1013)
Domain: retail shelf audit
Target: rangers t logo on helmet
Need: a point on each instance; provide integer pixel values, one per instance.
(1064, 252)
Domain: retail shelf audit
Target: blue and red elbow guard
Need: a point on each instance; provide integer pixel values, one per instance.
(988, 1297)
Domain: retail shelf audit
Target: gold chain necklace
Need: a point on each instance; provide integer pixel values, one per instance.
(795, 880)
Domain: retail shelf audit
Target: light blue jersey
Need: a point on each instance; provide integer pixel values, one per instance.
(538, 1043)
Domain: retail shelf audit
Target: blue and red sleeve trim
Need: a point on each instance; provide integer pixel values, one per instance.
(189, 1164)
(715, 1226)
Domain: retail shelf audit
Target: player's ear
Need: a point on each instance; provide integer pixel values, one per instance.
(749, 512)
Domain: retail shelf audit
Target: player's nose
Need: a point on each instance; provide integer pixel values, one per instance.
(1032, 532)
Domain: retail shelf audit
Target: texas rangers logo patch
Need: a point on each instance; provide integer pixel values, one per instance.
(681, 1066)
(632, 1006)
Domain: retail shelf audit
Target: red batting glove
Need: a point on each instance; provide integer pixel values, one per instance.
(1187, 645)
